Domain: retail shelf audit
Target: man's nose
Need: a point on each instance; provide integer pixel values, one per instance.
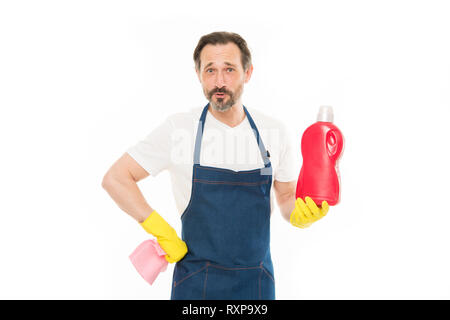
(220, 80)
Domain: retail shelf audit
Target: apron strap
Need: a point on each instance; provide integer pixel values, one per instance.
(264, 153)
(198, 140)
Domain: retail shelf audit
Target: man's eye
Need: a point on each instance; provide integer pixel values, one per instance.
(230, 69)
(208, 70)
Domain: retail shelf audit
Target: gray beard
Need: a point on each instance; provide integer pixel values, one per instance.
(222, 106)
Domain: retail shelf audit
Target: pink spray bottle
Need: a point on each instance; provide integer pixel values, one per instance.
(322, 145)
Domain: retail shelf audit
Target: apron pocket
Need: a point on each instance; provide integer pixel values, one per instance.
(267, 285)
(240, 283)
(188, 283)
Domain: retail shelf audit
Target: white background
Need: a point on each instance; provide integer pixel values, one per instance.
(81, 81)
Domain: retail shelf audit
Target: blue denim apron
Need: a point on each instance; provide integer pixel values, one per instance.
(226, 227)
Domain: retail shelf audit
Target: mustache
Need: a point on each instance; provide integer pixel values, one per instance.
(220, 90)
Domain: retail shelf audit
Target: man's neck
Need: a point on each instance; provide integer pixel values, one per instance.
(232, 117)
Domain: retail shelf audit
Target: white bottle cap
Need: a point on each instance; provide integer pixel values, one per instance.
(325, 114)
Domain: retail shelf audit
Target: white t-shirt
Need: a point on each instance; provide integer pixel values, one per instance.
(170, 146)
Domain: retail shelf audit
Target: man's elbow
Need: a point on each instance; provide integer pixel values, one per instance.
(107, 181)
(115, 176)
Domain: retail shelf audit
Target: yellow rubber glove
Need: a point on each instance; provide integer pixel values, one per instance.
(166, 236)
(305, 214)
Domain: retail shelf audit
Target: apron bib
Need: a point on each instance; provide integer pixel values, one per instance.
(226, 227)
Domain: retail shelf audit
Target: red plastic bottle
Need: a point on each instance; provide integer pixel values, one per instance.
(322, 145)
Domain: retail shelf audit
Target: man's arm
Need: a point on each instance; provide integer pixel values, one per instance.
(285, 194)
(120, 181)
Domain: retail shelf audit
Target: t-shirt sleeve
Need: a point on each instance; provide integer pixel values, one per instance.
(153, 153)
(288, 166)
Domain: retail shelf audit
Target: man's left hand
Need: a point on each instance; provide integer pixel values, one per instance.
(307, 212)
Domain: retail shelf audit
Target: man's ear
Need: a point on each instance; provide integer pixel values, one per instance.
(248, 73)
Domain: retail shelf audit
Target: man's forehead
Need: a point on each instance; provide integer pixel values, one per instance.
(228, 54)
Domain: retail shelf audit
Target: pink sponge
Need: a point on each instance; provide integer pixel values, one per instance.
(148, 259)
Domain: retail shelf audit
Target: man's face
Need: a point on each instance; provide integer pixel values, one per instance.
(222, 75)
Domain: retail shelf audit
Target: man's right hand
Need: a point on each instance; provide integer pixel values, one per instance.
(166, 236)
